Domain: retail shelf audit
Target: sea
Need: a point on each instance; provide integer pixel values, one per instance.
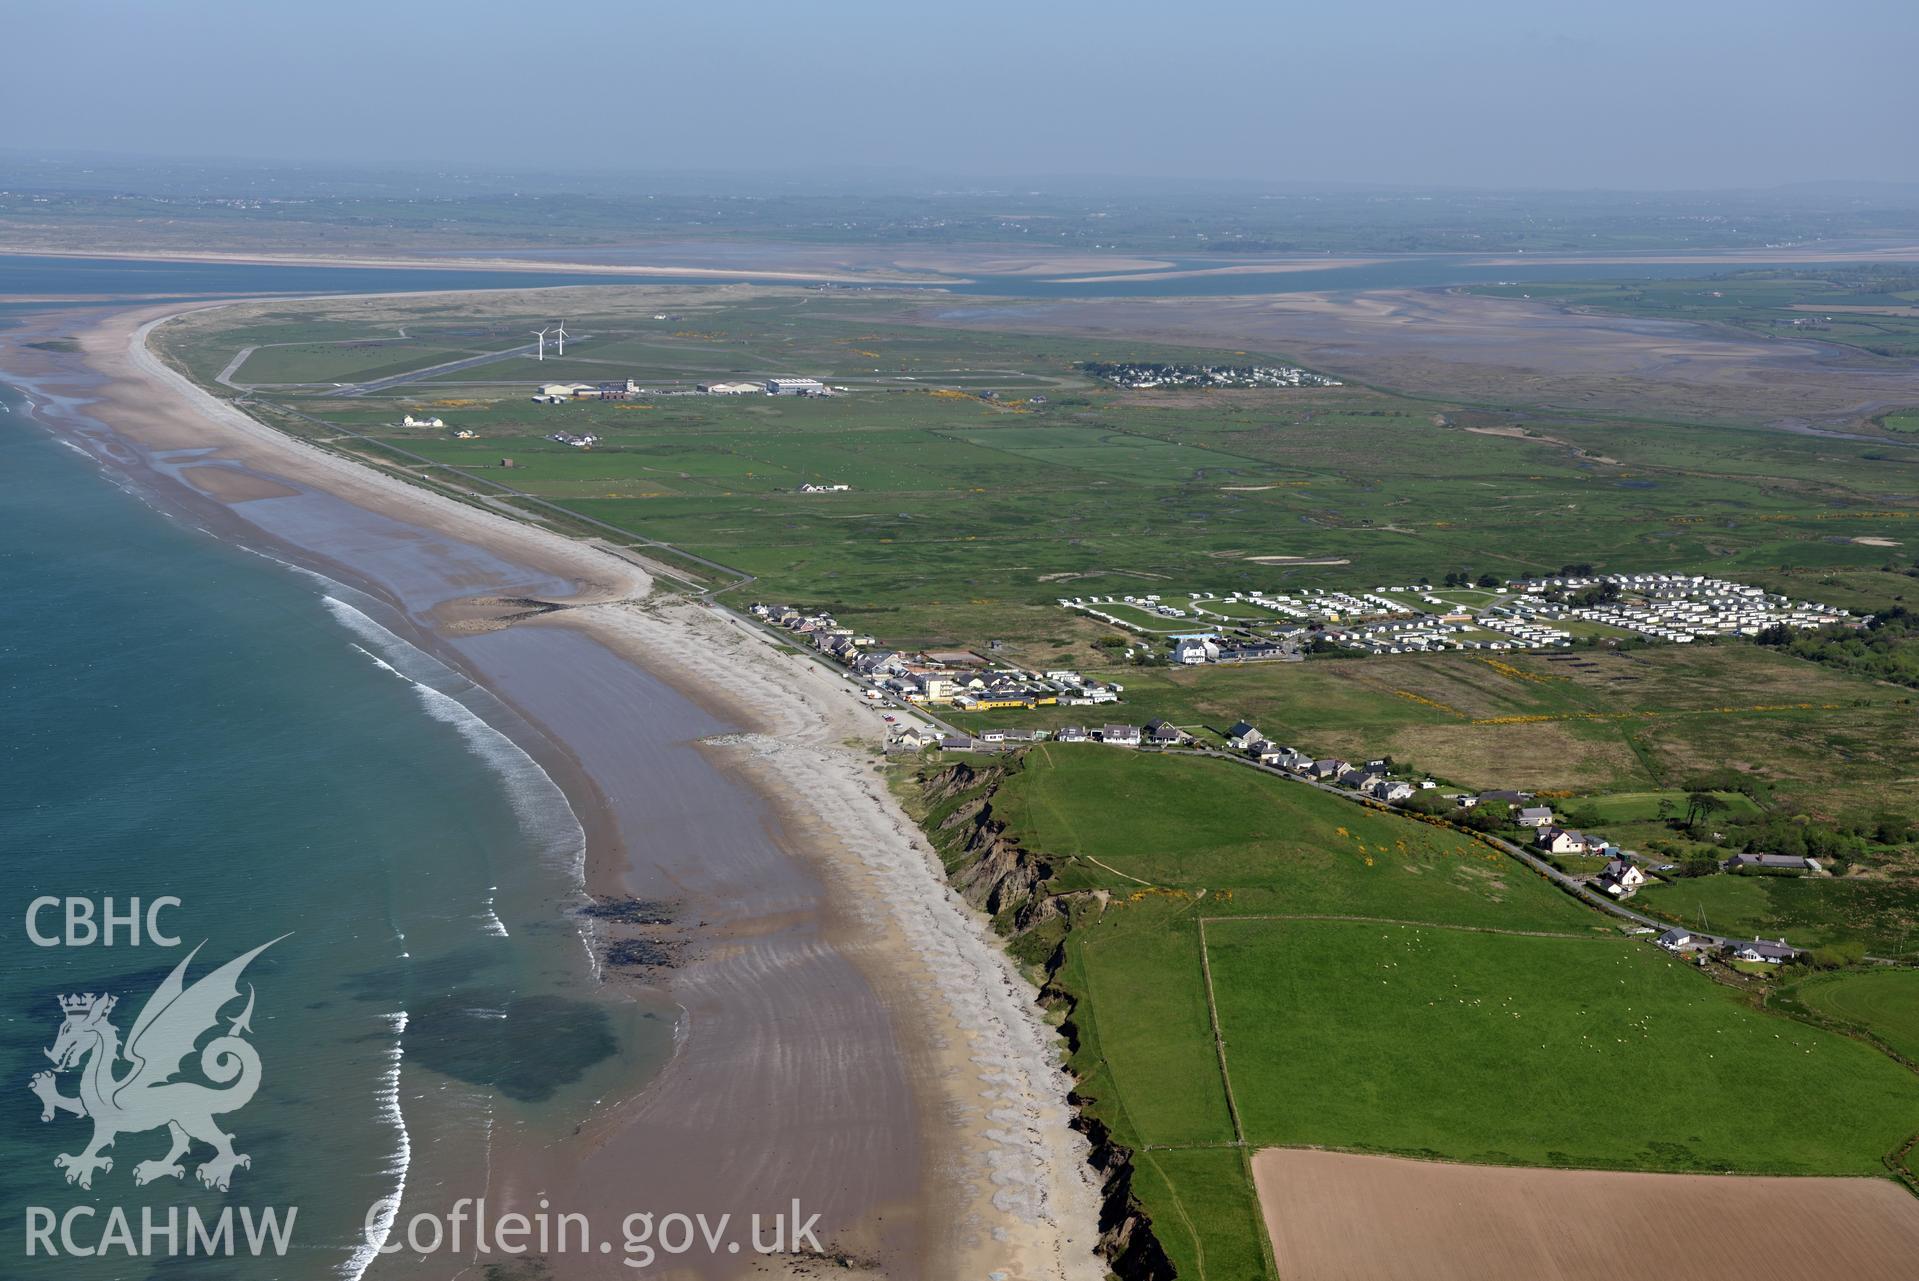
(241, 751)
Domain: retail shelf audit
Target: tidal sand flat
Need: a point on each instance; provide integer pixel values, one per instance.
(1336, 1216)
(844, 1034)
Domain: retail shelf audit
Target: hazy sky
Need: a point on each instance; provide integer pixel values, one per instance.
(1604, 93)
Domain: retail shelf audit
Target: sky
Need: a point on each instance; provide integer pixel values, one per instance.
(1620, 94)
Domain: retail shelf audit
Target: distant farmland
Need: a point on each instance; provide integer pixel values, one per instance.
(1338, 1217)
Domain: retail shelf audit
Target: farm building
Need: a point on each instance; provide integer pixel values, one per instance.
(1771, 863)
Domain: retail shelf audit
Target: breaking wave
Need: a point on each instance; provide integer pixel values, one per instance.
(388, 1098)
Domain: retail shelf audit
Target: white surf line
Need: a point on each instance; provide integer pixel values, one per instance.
(388, 1096)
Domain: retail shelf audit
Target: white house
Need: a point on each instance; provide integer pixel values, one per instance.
(1120, 735)
(1676, 940)
(1392, 790)
(1621, 878)
(1196, 649)
(1534, 816)
(1558, 840)
(411, 421)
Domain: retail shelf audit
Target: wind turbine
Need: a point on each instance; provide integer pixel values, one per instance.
(541, 335)
(562, 337)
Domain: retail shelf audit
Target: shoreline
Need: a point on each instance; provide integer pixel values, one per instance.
(1000, 1178)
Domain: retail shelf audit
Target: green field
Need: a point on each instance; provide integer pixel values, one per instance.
(1883, 1002)
(1534, 1051)
(1351, 1033)
(1881, 913)
(343, 361)
(1640, 807)
(1640, 723)
(1193, 824)
(967, 518)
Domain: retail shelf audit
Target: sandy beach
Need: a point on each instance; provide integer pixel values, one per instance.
(852, 1036)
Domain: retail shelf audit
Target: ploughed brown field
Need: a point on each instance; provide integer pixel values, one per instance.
(1334, 1216)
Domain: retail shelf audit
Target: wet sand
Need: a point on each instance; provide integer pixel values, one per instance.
(851, 1034)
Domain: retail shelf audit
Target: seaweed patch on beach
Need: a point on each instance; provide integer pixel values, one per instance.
(631, 911)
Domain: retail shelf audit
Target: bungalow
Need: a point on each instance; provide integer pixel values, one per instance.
(1533, 815)
(997, 701)
(1330, 768)
(1765, 952)
(1392, 790)
(1676, 940)
(1284, 757)
(1120, 735)
(1772, 862)
(1254, 653)
(1070, 734)
(1621, 878)
(910, 739)
(959, 743)
(1558, 840)
(1243, 735)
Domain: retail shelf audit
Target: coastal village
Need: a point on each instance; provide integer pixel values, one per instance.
(1523, 614)
(1143, 375)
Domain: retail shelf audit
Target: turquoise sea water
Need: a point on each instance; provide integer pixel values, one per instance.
(187, 718)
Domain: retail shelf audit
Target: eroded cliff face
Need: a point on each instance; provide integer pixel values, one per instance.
(992, 871)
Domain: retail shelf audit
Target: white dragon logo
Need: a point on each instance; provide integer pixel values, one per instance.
(147, 1097)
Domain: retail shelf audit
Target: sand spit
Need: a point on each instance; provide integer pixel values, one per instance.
(1335, 1216)
(1280, 267)
(423, 263)
(777, 1084)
